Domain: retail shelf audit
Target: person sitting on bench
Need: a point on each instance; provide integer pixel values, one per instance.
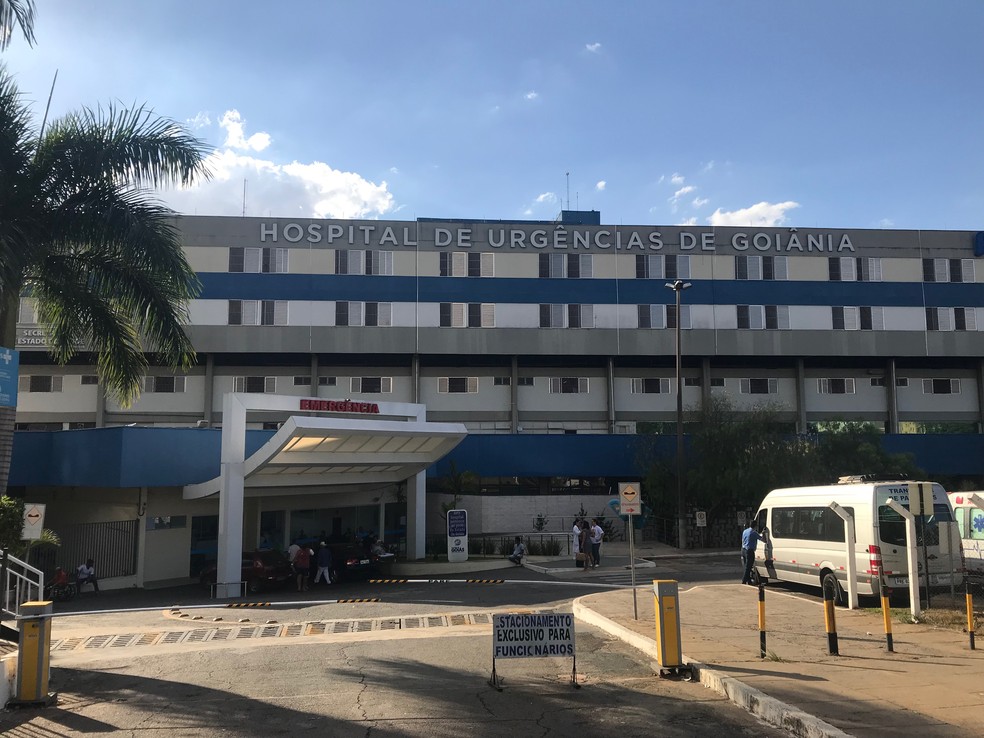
(87, 575)
(519, 551)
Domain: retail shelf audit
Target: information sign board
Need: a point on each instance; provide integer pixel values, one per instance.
(457, 535)
(630, 500)
(517, 636)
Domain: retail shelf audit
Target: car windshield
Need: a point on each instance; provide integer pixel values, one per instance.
(892, 525)
(270, 558)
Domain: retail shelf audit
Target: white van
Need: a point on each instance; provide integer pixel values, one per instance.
(805, 542)
(970, 521)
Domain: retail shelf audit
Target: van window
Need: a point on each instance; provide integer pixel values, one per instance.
(976, 524)
(892, 526)
(809, 523)
(760, 520)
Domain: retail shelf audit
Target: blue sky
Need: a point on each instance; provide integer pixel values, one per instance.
(829, 114)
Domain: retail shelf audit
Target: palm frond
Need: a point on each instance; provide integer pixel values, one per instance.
(20, 12)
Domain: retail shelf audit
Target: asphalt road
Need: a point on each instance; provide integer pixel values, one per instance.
(417, 663)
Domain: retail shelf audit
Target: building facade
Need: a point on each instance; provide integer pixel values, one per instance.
(526, 331)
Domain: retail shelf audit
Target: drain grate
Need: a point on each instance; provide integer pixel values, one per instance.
(228, 633)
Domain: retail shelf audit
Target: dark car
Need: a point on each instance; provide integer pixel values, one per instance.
(260, 570)
(352, 561)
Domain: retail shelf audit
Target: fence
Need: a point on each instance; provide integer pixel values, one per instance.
(21, 583)
(112, 545)
(501, 544)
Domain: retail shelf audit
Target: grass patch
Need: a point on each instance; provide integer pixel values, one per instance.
(773, 656)
(936, 617)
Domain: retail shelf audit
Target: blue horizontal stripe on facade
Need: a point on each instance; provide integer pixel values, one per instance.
(326, 287)
(160, 457)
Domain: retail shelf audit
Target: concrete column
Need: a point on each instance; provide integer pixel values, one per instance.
(514, 395)
(801, 426)
(705, 383)
(231, 493)
(611, 395)
(416, 516)
(381, 528)
(209, 388)
(892, 398)
(980, 396)
(142, 500)
(101, 405)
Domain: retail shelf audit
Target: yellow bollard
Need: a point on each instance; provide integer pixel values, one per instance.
(33, 655)
(970, 615)
(669, 649)
(887, 617)
(830, 621)
(761, 621)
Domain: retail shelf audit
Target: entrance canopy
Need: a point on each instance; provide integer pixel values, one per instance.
(342, 451)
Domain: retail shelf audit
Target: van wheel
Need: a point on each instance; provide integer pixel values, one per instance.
(833, 589)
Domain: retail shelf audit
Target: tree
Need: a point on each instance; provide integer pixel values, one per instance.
(81, 235)
(20, 12)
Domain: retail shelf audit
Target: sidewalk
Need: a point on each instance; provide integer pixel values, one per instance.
(932, 685)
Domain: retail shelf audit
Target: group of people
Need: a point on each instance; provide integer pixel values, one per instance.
(587, 543)
(310, 567)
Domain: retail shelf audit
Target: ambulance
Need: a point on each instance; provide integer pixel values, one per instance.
(805, 539)
(970, 522)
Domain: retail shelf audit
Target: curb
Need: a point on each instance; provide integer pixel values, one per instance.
(769, 709)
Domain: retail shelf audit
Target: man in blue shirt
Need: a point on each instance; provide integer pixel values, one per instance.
(748, 540)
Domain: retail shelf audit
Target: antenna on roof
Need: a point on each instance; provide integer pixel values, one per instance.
(568, 190)
(244, 197)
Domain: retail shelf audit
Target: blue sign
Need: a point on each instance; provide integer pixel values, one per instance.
(9, 361)
(457, 523)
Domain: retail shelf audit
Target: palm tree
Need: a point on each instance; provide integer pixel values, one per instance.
(81, 234)
(21, 12)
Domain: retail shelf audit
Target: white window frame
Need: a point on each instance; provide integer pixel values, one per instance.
(825, 384)
(150, 384)
(639, 385)
(269, 384)
(385, 385)
(557, 384)
(745, 385)
(444, 385)
(24, 383)
(927, 386)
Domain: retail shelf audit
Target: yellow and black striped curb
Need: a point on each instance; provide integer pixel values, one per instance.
(388, 581)
(485, 581)
(360, 599)
(248, 604)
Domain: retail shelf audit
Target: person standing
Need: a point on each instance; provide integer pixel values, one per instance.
(577, 543)
(597, 534)
(586, 545)
(748, 540)
(324, 563)
(302, 566)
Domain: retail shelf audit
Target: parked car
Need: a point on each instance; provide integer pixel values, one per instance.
(352, 561)
(260, 570)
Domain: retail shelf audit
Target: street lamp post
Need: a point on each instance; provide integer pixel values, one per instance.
(678, 286)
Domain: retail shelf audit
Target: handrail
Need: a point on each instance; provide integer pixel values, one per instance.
(21, 583)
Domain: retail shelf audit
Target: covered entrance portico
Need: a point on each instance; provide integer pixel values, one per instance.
(345, 443)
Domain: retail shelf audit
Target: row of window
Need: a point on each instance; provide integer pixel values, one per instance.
(580, 266)
(556, 385)
(482, 315)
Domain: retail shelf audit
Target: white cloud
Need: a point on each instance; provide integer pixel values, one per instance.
(531, 95)
(602, 184)
(201, 120)
(676, 179)
(394, 170)
(546, 197)
(528, 211)
(707, 167)
(233, 124)
(760, 214)
(700, 202)
(593, 48)
(688, 222)
(296, 189)
(679, 194)
(886, 223)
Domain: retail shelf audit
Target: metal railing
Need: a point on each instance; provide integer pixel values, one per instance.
(21, 583)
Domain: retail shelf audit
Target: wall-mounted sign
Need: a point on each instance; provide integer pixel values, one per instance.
(340, 406)
(9, 361)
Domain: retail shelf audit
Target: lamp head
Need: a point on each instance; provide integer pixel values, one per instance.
(677, 285)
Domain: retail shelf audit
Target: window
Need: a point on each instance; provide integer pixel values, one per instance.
(878, 382)
(257, 312)
(652, 316)
(371, 385)
(568, 385)
(854, 269)
(255, 385)
(691, 382)
(835, 386)
(941, 386)
(951, 319)
(760, 267)
(459, 264)
(865, 318)
(759, 386)
(758, 317)
(671, 321)
(87, 379)
(26, 310)
(809, 523)
(901, 381)
(379, 262)
(457, 385)
(717, 381)
(651, 386)
(164, 522)
(649, 266)
(501, 381)
(676, 267)
(567, 316)
(569, 266)
(39, 383)
(948, 270)
(371, 314)
(524, 382)
(258, 260)
(166, 384)
(302, 381)
(327, 381)
(467, 315)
